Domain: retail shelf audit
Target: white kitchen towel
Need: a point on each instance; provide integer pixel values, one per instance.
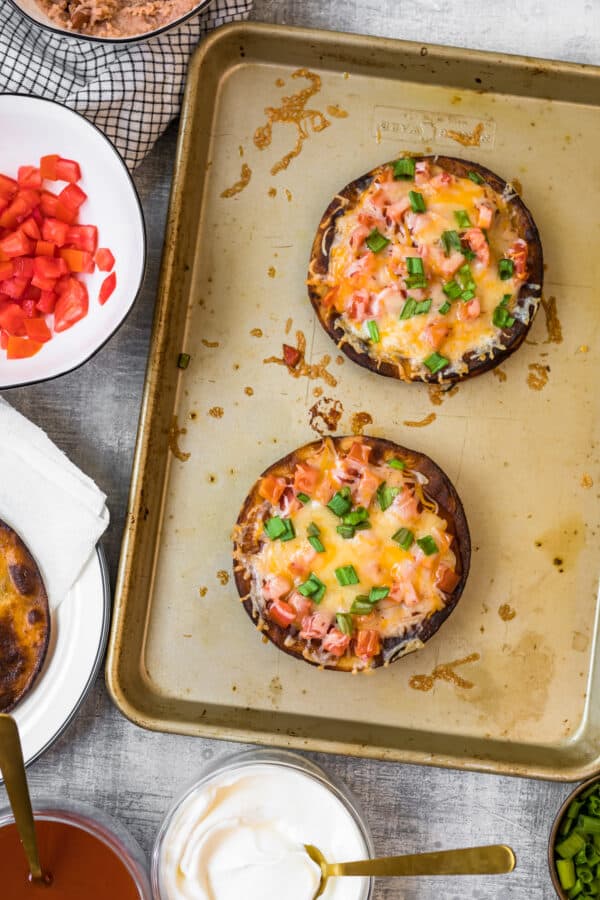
(58, 512)
(130, 92)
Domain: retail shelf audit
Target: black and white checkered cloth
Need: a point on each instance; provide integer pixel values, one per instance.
(130, 92)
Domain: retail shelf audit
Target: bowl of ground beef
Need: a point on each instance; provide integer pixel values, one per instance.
(110, 21)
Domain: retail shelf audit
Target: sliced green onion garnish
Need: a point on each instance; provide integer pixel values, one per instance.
(313, 530)
(501, 316)
(566, 873)
(346, 531)
(289, 533)
(506, 268)
(358, 515)
(452, 290)
(386, 495)
(275, 527)
(408, 310)
(396, 464)
(417, 201)
(414, 265)
(361, 606)
(428, 545)
(378, 593)
(362, 526)
(313, 587)
(303, 498)
(345, 623)
(341, 502)
(475, 176)
(465, 277)
(373, 331)
(346, 575)
(316, 543)
(423, 306)
(469, 255)
(404, 537)
(183, 360)
(588, 824)
(404, 168)
(451, 241)
(570, 846)
(435, 363)
(468, 295)
(445, 307)
(415, 281)
(376, 241)
(462, 218)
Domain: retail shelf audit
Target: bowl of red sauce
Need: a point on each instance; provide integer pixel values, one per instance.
(85, 855)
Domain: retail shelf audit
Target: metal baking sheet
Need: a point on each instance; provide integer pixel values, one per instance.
(521, 447)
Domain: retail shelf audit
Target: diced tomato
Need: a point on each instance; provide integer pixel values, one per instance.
(67, 170)
(72, 196)
(48, 203)
(8, 186)
(12, 318)
(3, 340)
(37, 330)
(78, 260)
(44, 284)
(29, 177)
(288, 503)
(47, 301)
(45, 248)
(281, 613)
(55, 232)
(104, 259)
(29, 307)
(49, 267)
(72, 305)
(16, 244)
(446, 578)
(24, 202)
(331, 295)
(48, 166)
(14, 287)
(368, 484)
(335, 642)
(271, 488)
(315, 626)
(305, 478)
(65, 213)
(518, 252)
(31, 228)
(83, 237)
(436, 333)
(291, 355)
(7, 269)
(367, 643)
(275, 587)
(360, 452)
(23, 266)
(21, 347)
(302, 605)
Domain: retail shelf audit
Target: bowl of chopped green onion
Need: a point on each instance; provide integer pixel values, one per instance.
(574, 848)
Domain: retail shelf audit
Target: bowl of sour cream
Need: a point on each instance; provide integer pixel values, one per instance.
(239, 832)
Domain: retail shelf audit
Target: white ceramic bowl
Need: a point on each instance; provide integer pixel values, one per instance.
(40, 127)
(36, 14)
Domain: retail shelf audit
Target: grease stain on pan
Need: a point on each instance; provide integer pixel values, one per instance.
(301, 368)
(553, 325)
(324, 415)
(467, 138)
(437, 394)
(240, 184)
(506, 612)
(421, 423)
(444, 672)
(538, 376)
(499, 373)
(223, 577)
(564, 543)
(174, 433)
(359, 422)
(586, 480)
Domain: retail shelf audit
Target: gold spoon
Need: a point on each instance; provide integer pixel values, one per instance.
(12, 767)
(493, 860)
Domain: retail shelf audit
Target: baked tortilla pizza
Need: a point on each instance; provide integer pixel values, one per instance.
(427, 269)
(24, 619)
(350, 552)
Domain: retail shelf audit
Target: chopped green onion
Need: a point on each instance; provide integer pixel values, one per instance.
(506, 268)
(346, 575)
(404, 168)
(566, 873)
(386, 495)
(417, 201)
(414, 265)
(467, 295)
(303, 498)
(435, 363)
(408, 310)
(404, 537)
(289, 530)
(423, 306)
(183, 360)
(588, 824)
(585, 875)
(452, 290)
(316, 543)
(570, 846)
(465, 277)
(451, 241)
(341, 502)
(361, 606)
(445, 307)
(415, 281)
(396, 464)
(373, 331)
(468, 254)
(345, 623)
(428, 545)
(346, 531)
(501, 316)
(576, 890)
(313, 530)
(462, 218)
(376, 241)
(313, 588)
(358, 515)
(378, 593)
(361, 526)
(475, 177)
(275, 527)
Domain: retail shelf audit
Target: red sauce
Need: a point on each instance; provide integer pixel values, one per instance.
(81, 866)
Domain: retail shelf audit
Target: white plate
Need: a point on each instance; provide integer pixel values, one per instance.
(78, 633)
(37, 128)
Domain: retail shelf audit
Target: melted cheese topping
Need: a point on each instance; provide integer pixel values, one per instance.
(371, 286)
(411, 576)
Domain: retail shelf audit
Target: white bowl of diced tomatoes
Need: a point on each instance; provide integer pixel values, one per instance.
(72, 240)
